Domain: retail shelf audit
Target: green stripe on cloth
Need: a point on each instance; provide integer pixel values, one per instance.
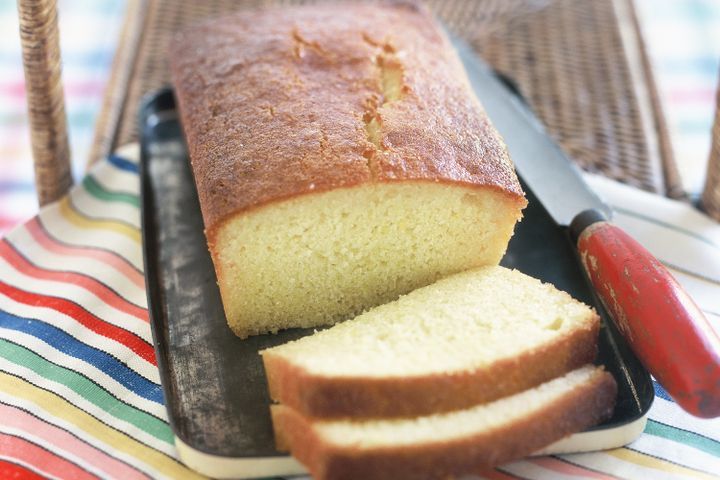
(693, 439)
(86, 388)
(99, 192)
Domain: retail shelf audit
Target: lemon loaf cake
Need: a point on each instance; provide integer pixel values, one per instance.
(340, 159)
(446, 444)
(466, 339)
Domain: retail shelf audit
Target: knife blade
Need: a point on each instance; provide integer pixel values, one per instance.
(664, 327)
(526, 139)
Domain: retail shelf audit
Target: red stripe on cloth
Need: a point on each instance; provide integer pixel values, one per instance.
(30, 454)
(6, 223)
(100, 290)
(109, 258)
(13, 471)
(83, 317)
(57, 437)
(565, 468)
(497, 475)
(81, 88)
(694, 95)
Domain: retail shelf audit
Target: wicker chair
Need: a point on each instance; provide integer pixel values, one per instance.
(529, 49)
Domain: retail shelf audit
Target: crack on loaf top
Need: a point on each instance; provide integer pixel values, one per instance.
(391, 87)
(301, 45)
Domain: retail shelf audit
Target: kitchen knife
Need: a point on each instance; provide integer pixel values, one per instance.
(666, 330)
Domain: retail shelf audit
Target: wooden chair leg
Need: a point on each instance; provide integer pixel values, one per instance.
(46, 104)
(711, 194)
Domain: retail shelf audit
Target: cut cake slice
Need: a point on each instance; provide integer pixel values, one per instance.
(464, 340)
(441, 445)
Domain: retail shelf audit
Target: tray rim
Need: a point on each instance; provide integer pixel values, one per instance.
(154, 311)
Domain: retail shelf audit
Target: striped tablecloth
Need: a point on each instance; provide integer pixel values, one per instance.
(79, 387)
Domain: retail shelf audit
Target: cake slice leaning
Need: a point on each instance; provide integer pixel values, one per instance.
(467, 339)
(453, 443)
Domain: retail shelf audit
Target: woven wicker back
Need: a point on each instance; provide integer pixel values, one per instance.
(568, 57)
(601, 126)
(574, 60)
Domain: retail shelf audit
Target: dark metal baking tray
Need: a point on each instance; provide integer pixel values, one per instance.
(213, 381)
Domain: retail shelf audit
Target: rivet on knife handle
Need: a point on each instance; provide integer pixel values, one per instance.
(666, 330)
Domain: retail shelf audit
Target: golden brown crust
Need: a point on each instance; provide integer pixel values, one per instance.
(284, 102)
(585, 406)
(332, 397)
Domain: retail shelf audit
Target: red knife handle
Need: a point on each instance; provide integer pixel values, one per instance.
(664, 327)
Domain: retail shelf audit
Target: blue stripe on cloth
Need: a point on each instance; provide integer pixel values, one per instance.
(696, 125)
(70, 345)
(123, 164)
(705, 64)
(660, 392)
(96, 59)
(12, 185)
(699, 11)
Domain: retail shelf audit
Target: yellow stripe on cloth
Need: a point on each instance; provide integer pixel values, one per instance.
(648, 461)
(61, 408)
(90, 223)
